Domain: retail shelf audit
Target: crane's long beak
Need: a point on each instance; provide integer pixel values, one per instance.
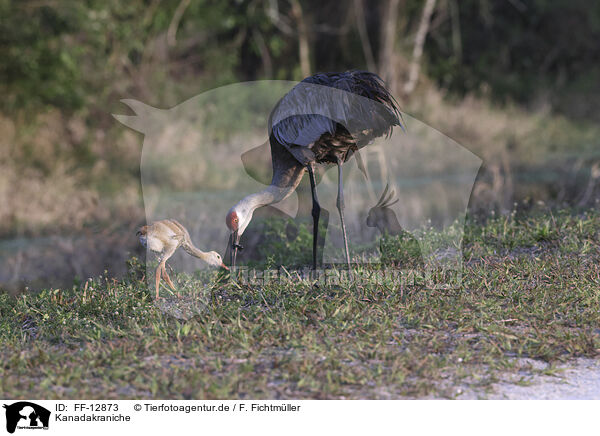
(234, 243)
(230, 250)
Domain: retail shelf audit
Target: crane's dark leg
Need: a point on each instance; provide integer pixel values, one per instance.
(316, 212)
(340, 206)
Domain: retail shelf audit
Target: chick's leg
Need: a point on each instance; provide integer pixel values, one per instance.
(157, 278)
(167, 278)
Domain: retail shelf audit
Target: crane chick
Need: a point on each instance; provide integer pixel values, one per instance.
(165, 237)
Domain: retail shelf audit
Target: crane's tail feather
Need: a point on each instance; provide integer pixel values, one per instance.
(361, 164)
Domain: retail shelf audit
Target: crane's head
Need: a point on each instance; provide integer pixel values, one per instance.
(232, 220)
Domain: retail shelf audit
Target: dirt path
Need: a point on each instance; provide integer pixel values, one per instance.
(579, 380)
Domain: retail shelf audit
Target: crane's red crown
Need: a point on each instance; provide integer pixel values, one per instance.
(232, 220)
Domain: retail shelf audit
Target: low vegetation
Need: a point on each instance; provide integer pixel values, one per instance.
(531, 289)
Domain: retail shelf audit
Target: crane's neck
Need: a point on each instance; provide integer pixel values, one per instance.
(272, 194)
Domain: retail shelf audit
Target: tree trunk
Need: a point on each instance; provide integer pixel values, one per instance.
(415, 64)
(456, 38)
(264, 54)
(303, 45)
(361, 25)
(172, 30)
(389, 22)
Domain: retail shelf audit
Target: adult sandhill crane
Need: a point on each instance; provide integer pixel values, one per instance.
(325, 119)
(258, 165)
(165, 237)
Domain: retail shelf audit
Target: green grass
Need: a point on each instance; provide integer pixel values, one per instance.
(531, 289)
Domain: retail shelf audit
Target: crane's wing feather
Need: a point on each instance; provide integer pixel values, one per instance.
(356, 100)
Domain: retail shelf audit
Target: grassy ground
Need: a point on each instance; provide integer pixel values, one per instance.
(531, 289)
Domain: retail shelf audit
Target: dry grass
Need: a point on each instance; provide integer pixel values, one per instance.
(520, 149)
(530, 290)
(60, 171)
(50, 168)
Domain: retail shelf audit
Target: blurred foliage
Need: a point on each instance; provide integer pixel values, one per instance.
(524, 50)
(65, 66)
(71, 54)
(67, 54)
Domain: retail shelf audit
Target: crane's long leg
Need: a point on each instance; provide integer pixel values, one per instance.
(340, 207)
(316, 212)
